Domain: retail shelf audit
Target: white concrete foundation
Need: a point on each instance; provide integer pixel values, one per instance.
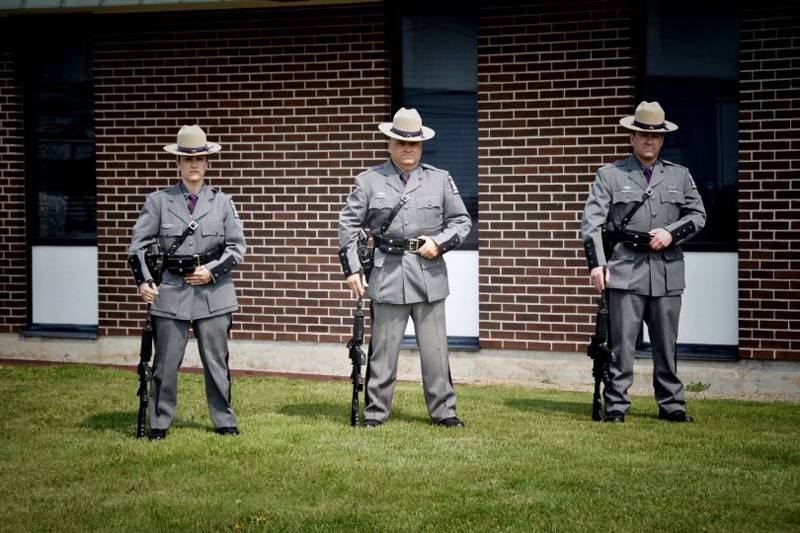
(570, 371)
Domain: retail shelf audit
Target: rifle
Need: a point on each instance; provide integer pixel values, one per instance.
(145, 354)
(601, 354)
(357, 358)
(146, 351)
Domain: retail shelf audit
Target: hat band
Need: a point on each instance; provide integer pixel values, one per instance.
(407, 134)
(186, 150)
(644, 126)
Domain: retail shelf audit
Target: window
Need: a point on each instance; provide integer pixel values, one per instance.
(435, 70)
(60, 188)
(59, 134)
(689, 63)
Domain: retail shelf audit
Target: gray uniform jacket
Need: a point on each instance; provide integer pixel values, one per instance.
(434, 208)
(164, 218)
(674, 204)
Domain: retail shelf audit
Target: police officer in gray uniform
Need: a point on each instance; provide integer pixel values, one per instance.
(409, 277)
(196, 289)
(644, 275)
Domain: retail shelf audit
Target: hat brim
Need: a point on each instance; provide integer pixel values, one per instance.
(427, 133)
(211, 148)
(627, 122)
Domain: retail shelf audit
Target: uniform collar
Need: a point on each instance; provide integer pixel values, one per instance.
(635, 173)
(186, 192)
(181, 208)
(392, 175)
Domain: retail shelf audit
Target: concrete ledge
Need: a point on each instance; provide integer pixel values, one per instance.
(744, 379)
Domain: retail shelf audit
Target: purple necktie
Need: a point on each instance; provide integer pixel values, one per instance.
(648, 172)
(192, 203)
(404, 177)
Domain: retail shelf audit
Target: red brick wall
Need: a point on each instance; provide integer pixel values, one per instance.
(554, 78)
(769, 183)
(13, 283)
(294, 97)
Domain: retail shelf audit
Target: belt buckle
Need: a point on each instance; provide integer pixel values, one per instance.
(193, 225)
(412, 245)
(197, 260)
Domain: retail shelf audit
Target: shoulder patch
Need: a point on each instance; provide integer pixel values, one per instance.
(452, 184)
(233, 208)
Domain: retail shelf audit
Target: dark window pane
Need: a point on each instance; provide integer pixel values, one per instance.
(691, 67)
(692, 39)
(59, 135)
(440, 79)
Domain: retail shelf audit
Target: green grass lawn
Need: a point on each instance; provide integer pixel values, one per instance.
(528, 460)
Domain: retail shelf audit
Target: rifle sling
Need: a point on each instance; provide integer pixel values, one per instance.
(396, 209)
(633, 209)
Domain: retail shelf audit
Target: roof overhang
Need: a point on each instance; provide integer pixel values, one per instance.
(55, 7)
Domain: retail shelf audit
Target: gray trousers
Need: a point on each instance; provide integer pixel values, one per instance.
(627, 310)
(388, 327)
(212, 341)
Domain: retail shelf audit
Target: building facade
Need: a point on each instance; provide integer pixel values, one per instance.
(525, 97)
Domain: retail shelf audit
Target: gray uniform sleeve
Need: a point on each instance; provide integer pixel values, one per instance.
(693, 214)
(145, 233)
(594, 216)
(235, 246)
(456, 221)
(351, 220)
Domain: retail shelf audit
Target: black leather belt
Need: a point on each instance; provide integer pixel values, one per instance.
(398, 246)
(635, 240)
(185, 264)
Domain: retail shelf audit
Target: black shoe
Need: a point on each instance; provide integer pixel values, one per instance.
(676, 416)
(157, 434)
(228, 430)
(452, 422)
(615, 417)
(371, 423)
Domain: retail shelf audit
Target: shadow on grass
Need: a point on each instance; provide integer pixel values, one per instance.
(579, 409)
(339, 413)
(125, 422)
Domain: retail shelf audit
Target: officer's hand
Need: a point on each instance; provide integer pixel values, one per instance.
(200, 276)
(660, 238)
(429, 250)
(357, 283)
(147, 292)
(598, 279)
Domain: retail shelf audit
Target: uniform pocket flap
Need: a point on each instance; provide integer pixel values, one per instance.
(432, 263)
(212, 228)
(622, 197)
(171, 230)
(428, 202)
(673, 253)
(672, 196)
